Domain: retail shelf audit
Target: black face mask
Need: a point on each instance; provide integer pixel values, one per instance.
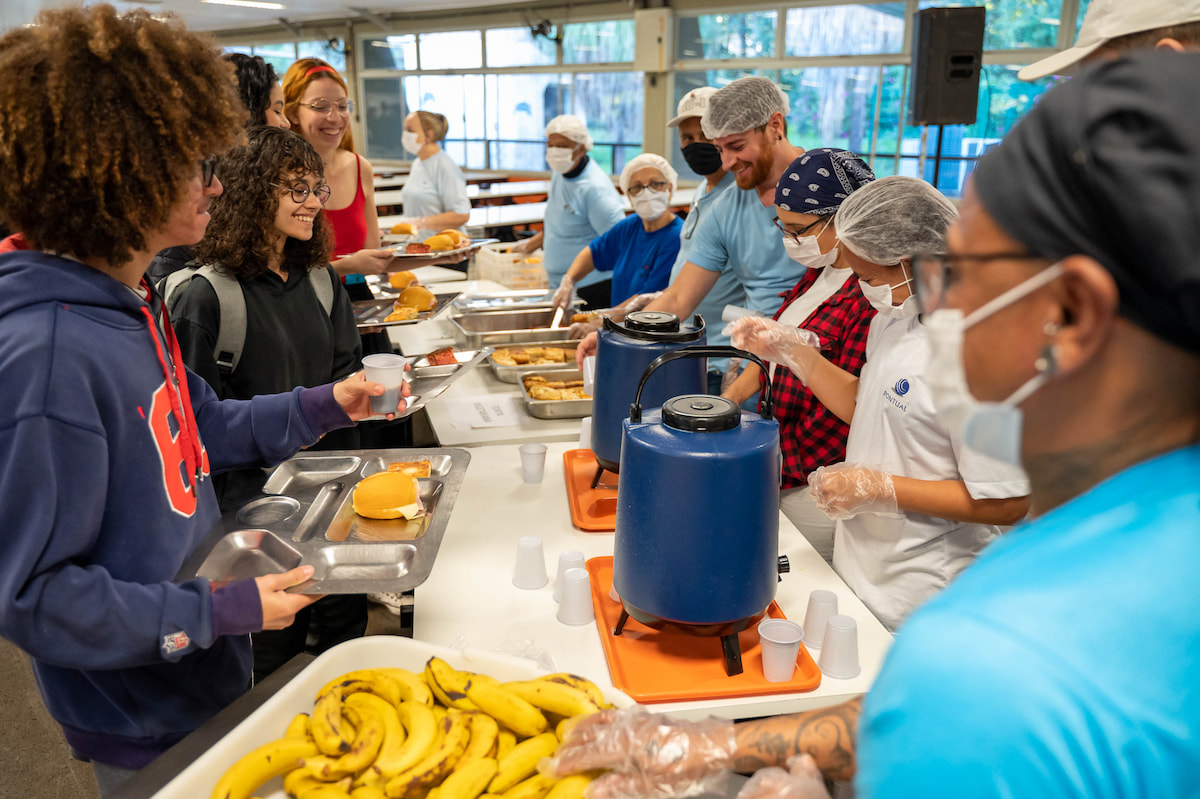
(702, 157)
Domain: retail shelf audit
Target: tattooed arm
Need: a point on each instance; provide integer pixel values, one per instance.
(827, 734)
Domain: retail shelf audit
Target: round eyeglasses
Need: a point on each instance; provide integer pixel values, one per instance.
(345, 107)
(935, 273)
(795, 235)
(300, 192)
(654, 185)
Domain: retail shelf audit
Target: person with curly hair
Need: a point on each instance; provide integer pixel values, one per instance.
(106, 440)
(266, 232)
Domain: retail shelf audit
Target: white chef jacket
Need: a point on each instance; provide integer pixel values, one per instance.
(895, 563)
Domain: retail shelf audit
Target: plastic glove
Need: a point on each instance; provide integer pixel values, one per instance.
(844, 490)
(802, 780)
(731, 374)
(650, 755)
(776, 342)
(639, 301)
(522, 247)
(565, 294)
(586, 347)
(579, 330)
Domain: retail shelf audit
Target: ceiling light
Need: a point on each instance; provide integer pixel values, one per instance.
(246, 4)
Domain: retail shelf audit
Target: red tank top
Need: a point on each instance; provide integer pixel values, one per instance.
(349, 224)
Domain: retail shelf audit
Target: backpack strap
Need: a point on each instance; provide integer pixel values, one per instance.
(231, 334)
(322, 282)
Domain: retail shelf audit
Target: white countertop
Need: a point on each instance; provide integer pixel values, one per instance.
(469, 598)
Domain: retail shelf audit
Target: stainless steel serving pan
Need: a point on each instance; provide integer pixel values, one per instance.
(499, 328)
(512, 374)
(556, 409)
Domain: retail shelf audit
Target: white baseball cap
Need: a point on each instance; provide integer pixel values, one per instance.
(1106, 20)
(692, 105)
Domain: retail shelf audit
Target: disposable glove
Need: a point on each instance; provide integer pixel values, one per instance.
(639, 301)
(801, 780)
(776, 342)
(651, 756)
(731, 374)
(586, 347)
(844, 490)
(565, 293)
(579, 330)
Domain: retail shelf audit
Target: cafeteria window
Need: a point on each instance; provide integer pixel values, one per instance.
(518, 47)
(717, 37)
(1016, 24)
(604, 42)
(865, 29)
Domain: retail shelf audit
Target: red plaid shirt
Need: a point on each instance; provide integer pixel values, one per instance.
(810, 435)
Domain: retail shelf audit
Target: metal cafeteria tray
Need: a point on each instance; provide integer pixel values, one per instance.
(556, 409)
(307, 517)
(512, 374)
(430, 381)
(371, 313)
(499, 328)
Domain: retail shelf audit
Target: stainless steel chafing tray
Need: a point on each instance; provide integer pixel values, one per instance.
(512, 374)
(307, 517)
(498, 328)
(556, 409)
(429, 381)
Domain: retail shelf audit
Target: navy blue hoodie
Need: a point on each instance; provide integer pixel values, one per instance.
(104, 491)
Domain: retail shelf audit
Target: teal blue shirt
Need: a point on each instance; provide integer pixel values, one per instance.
(1062, 663)
(578, 210)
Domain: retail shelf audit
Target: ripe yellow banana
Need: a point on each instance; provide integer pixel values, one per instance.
(566, 725)
(368, 792)
(328, 728)
(571, 787)
(267, 761)
(448, 684)
(553, 696)
(412, 687)
(299, 780)
(367, 742)
(422, 735)
(392, 750)
(469, 781)
(506, 707)
(580, 683)
(434, 767)
(373, 681)
(299, 727)
(484, 732)
(327, 791)
(536, 787)
(522, 761)
(505, 741)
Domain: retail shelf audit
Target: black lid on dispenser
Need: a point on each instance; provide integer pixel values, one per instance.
(701, 413)
(657, 326)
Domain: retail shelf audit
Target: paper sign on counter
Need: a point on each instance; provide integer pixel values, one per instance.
(486, 410)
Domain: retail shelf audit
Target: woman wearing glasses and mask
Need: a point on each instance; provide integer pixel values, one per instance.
(914, 505)
(641, 248)
(266, 232)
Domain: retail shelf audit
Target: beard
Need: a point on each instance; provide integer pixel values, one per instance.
(759, 169)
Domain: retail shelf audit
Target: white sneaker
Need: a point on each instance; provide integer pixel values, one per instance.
(394, 601)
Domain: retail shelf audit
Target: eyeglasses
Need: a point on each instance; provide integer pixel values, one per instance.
(654, 185)
(208, 170)
(345, 108)
(934, 274)
(300, 192)
(797, 234)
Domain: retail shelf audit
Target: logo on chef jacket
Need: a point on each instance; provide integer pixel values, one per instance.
(898, 390)
(901, 387)
(175, 642)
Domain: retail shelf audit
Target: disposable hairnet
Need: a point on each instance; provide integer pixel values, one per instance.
(572, 127)
(645, 161)
(894, 217)
(743, 105)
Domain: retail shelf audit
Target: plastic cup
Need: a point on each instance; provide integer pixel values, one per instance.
(571, 559)
(386, 369)
(533, 462)
(589, 374)
(839, 655)
(780, 640)
(575, 606)
(821, 605)
(585, 433)
(530, 571)
(732, 313)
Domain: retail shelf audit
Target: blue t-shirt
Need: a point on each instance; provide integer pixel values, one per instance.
(727, 290)
(577, 211)
(639, 261)
(741, 238)
(434, 186)
(1061, 663)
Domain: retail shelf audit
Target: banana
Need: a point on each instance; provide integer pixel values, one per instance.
(300, 727)
(434, 767)
(522, 761)
(372, 681)
(553, 696)
(299, 780)
(371, 728)
(505, 741)
(484, 731)
(469, 781)
(328, 728)
(423, 733)
(412, 687)
(506, 707)
(325, 791)
(571, 787)
(439, 712)
(391, 751)
(566, 725)
(448, 684)
(267, 761)
(536, 787)
(580, 683)
(368, 792)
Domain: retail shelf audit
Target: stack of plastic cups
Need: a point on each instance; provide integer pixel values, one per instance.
(571, 559)
(821, 605)
(575, 602)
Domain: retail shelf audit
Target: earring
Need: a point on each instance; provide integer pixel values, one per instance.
(1047, 362)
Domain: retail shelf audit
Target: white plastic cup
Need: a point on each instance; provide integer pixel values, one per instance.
(575, 605)
(780, 641)
(839, 655)
(732, 313)
(821, 605)
(585, 433)
(386, 369)
(589, 375)
(530, 571)
(533, 462)
(571, 559)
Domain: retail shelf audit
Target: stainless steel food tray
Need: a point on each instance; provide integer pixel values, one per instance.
(371, 313)
(499, 328)
(307, 517)
(512, 374)
(556, 409)
(430, 381)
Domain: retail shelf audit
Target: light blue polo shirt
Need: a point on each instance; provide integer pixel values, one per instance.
(434, 186)
(727, 290)
(1062, 662)
(741, 238)
(578, 210)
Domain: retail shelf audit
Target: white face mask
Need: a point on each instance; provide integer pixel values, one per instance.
(560, 159)
(408, 139)
(992, 428)
(650, 205)
(881, 300)
(807, 251)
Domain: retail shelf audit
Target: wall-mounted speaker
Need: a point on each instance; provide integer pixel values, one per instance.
(947, 56)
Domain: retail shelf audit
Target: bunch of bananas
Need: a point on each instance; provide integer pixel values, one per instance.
(444, 734)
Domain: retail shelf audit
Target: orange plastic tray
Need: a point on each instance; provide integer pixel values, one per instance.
(593, 510)
(657, 666)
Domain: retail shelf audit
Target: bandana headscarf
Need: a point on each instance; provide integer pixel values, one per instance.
(1107, 165)
(818, 181)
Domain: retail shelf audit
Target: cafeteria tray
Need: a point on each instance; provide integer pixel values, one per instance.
(270, 719)
(430, 381)
(512, 374)
(372, 313)
(502, 327)
(504, 300)
(556, 409)
(306, 517)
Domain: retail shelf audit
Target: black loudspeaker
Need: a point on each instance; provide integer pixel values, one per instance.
(947, 57)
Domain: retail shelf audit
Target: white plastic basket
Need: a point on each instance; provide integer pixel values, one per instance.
(514, 270)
